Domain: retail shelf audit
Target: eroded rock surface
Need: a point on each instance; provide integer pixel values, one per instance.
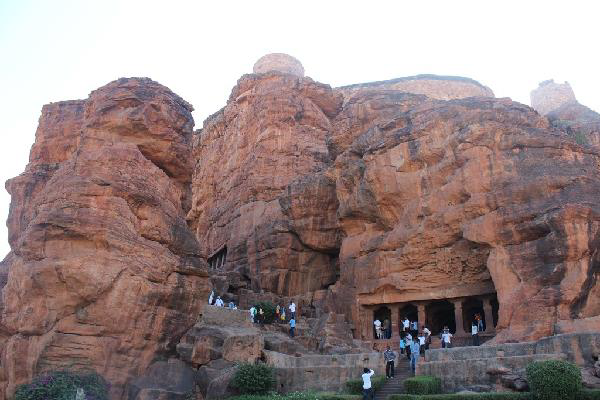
(105, 273)
(550, 96)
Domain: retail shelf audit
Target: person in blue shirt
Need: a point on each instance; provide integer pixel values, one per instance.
(415, 348)
(292, 326)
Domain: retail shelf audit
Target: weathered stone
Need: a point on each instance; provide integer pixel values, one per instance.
(549, 96)
(433, 86)
(246, 348)
(105, 273)
(163, 380)
(278, 62)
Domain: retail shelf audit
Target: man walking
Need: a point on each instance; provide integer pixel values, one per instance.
(389, 357)
(292, 326)
(446, 338)
(405, 324)
(292, 308)
(366, 377)
(415, 348)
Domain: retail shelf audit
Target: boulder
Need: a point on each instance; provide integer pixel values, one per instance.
(164, 380)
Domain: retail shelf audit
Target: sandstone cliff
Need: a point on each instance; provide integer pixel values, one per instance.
(105, 273)
(419, 188)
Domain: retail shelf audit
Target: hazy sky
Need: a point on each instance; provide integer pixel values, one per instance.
(59, 50)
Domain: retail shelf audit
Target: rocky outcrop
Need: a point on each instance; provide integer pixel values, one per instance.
(278, 62)
(550, 96)
(465, 196)
(434, 86)
(254, 192)
(105, 273)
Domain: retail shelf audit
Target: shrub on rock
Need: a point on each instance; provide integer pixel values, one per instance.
(63, 385)
(554, 380)
(254, 379)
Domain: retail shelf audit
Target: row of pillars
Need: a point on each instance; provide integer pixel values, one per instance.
(458, 316)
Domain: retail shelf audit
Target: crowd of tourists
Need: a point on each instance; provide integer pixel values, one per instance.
(257, 314)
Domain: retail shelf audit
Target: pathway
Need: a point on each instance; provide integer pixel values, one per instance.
(395, 385)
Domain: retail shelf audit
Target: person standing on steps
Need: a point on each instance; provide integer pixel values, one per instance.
(389, 357)
(366, 377)
(475, 333)
(422, 341)
(282, 316)
(210, 298)
(292, 308)
(277, 312)
(253, 314)
(408, 339)
(415, 348)
(446, 338)
(261, 316)
(292, 326)
(427, 333)
(402, 345)
(405, 324)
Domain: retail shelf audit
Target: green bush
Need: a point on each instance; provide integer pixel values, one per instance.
(590, 394)
(254, 379)
(355, 386)
(269, 310)
(466, 396)
(337, 396)
(63, 385)
(554, 380)
(423, 384)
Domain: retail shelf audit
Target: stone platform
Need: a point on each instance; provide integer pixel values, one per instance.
(321, 372)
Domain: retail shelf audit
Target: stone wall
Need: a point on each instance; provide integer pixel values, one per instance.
(496, 367)
(321, 372)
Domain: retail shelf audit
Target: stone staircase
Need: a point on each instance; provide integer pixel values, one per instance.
(395, 385)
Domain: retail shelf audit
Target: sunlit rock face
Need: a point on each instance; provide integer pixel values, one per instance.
(444, 199)
(412, 189)
(105, 273)
(257, 185)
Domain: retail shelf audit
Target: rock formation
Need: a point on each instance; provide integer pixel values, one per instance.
(415, 189)
(549, 96)
(105, 273)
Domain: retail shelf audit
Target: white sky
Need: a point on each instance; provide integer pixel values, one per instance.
(60, 50)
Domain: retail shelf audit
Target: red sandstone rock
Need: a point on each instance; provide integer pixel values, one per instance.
(105, 273)
(271, 133)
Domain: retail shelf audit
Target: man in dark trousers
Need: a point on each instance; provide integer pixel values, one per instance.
(366, 377)
(389, 357)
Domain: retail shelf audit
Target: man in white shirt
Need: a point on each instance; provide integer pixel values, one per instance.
(446, 338)
(219, 302)
(366, 377)
(377, 324)
(292, 308)
(475, 333)
(253, 313)
(405, 324)
(422, 339)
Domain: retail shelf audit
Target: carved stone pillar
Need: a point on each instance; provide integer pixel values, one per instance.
(458, 317)
(488, 317)
(395, 309)
(421, 314)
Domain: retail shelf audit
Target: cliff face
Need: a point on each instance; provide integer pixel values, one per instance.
(105, 272)
(418, 188)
